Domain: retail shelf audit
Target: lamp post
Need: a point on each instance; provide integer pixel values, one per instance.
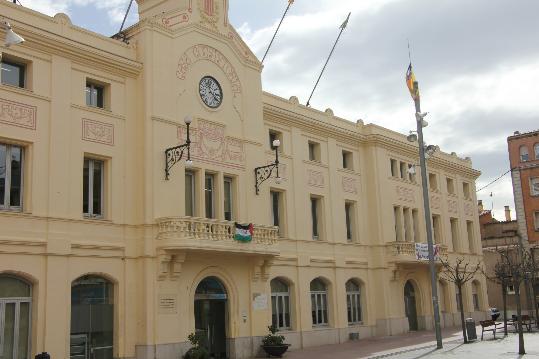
(262, 173)
(428, 220)
(174, 155)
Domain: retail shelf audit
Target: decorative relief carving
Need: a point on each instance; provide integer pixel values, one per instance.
(17, 114)
(100, 132)
(175, 19)
(244, 50)
(452, 206)
(405, 194)
(315, 178)
(435, 202)
(469, 209)
(209, 12)
(204, 52)
(209, 144)
(349, 185)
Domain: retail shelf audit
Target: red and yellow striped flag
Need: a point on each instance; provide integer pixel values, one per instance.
(410, 81)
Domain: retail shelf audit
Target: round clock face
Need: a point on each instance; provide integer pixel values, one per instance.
(210, 92)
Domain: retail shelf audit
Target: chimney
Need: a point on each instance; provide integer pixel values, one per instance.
(480, 205)
(507, 213)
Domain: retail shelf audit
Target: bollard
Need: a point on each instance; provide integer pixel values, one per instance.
(43, 355)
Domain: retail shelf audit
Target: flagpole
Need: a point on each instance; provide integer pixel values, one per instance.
(290, 2)
(343, 26)
(426, 204)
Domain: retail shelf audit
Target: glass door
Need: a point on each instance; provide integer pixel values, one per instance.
(14, 329)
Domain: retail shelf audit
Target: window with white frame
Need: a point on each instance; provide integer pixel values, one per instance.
(11, 177)
(536, 150)
(524, 155)
(319, 303)
(93, 188)
(534, 186)
(190, 193)
(280, 304)
(95, 94)
(353, 302)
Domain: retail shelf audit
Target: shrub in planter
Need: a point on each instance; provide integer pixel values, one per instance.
(273, 344)
(197, 351)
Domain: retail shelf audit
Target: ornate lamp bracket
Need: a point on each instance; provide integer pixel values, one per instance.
(174, 155)
(262, 173)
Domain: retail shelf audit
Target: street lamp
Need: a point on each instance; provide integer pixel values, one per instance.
(11, 37)
(174, 155)
(262, 173)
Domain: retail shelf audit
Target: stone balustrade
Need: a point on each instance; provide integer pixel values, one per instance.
(405, 252)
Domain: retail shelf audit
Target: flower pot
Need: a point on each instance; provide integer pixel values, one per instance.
(275, 350)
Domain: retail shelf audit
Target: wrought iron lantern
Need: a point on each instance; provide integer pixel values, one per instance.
(262, 173)
(174, 155)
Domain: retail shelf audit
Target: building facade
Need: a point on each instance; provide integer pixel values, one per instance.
(101, 256)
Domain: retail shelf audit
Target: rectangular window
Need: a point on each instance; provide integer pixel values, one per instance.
(315, 216)
(280, 310)
(319, 309)
(466, 190)
(13, 74)
(190, 194)
(450, 185)
(349, 218)
(437, 229)
(394, 168)
(404, 170)
(433, 182)
(209, 195)
(95, 95)
(397, 214)
(470, 231)
(415, 219)
(536, 215)
(455, 234)
(353, 305)
(407, 224)
(536, 148)
(11, 177)
(314, 151)
(228, 197)
(534, 186)
(347, 160)
(93, 183)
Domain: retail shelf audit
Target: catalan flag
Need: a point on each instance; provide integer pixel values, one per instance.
(410, 81)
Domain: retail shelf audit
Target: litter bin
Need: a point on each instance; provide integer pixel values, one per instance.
(43, 355)
(470, 329)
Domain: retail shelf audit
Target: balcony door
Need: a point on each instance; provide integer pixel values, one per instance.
(211, 316)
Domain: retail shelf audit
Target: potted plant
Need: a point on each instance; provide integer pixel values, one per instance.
(196, 351)
(273, 344)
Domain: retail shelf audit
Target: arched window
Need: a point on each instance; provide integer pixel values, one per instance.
(15, 308)
(319, 302)
(524, 155)
(353, 302)
(475, 295)
(280, 304)
(92, 318)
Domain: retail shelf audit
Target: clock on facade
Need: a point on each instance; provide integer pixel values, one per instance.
(210, 92)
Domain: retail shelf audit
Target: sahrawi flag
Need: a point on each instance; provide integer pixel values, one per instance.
(410, 81)
(244, 233)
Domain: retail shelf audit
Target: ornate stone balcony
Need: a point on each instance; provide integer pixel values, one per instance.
(404, 252)
(202, 234)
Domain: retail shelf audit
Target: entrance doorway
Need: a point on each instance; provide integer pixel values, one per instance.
(211, 316)
(410, 305)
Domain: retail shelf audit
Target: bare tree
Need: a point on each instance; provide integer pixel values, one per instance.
(460, 272)
(501, 277)
(534, 277)
(520, 267)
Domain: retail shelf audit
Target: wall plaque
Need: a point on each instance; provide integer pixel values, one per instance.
(167, 304)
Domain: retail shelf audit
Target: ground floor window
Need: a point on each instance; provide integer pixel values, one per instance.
(15, 312)
(353, 302)
(280, 304)
(92, 318)
(319, 303)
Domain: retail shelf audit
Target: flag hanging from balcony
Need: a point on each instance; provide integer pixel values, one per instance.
(244, 233)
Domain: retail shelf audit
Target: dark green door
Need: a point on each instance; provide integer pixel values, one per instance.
(410, 305)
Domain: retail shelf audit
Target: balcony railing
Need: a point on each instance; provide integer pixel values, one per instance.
(405, 252)
(203, 234)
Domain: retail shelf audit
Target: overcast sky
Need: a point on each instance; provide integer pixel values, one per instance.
(477, 63)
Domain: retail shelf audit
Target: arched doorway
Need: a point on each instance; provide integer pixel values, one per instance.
(211, 316)
(92, 318)
(15, 312)
(410, 307)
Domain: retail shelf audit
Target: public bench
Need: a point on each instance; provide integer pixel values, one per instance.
(527, 322)
(489, 326)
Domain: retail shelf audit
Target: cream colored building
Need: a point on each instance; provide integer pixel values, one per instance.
(101, 257)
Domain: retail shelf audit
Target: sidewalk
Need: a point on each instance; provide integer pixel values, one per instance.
(423, 345)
